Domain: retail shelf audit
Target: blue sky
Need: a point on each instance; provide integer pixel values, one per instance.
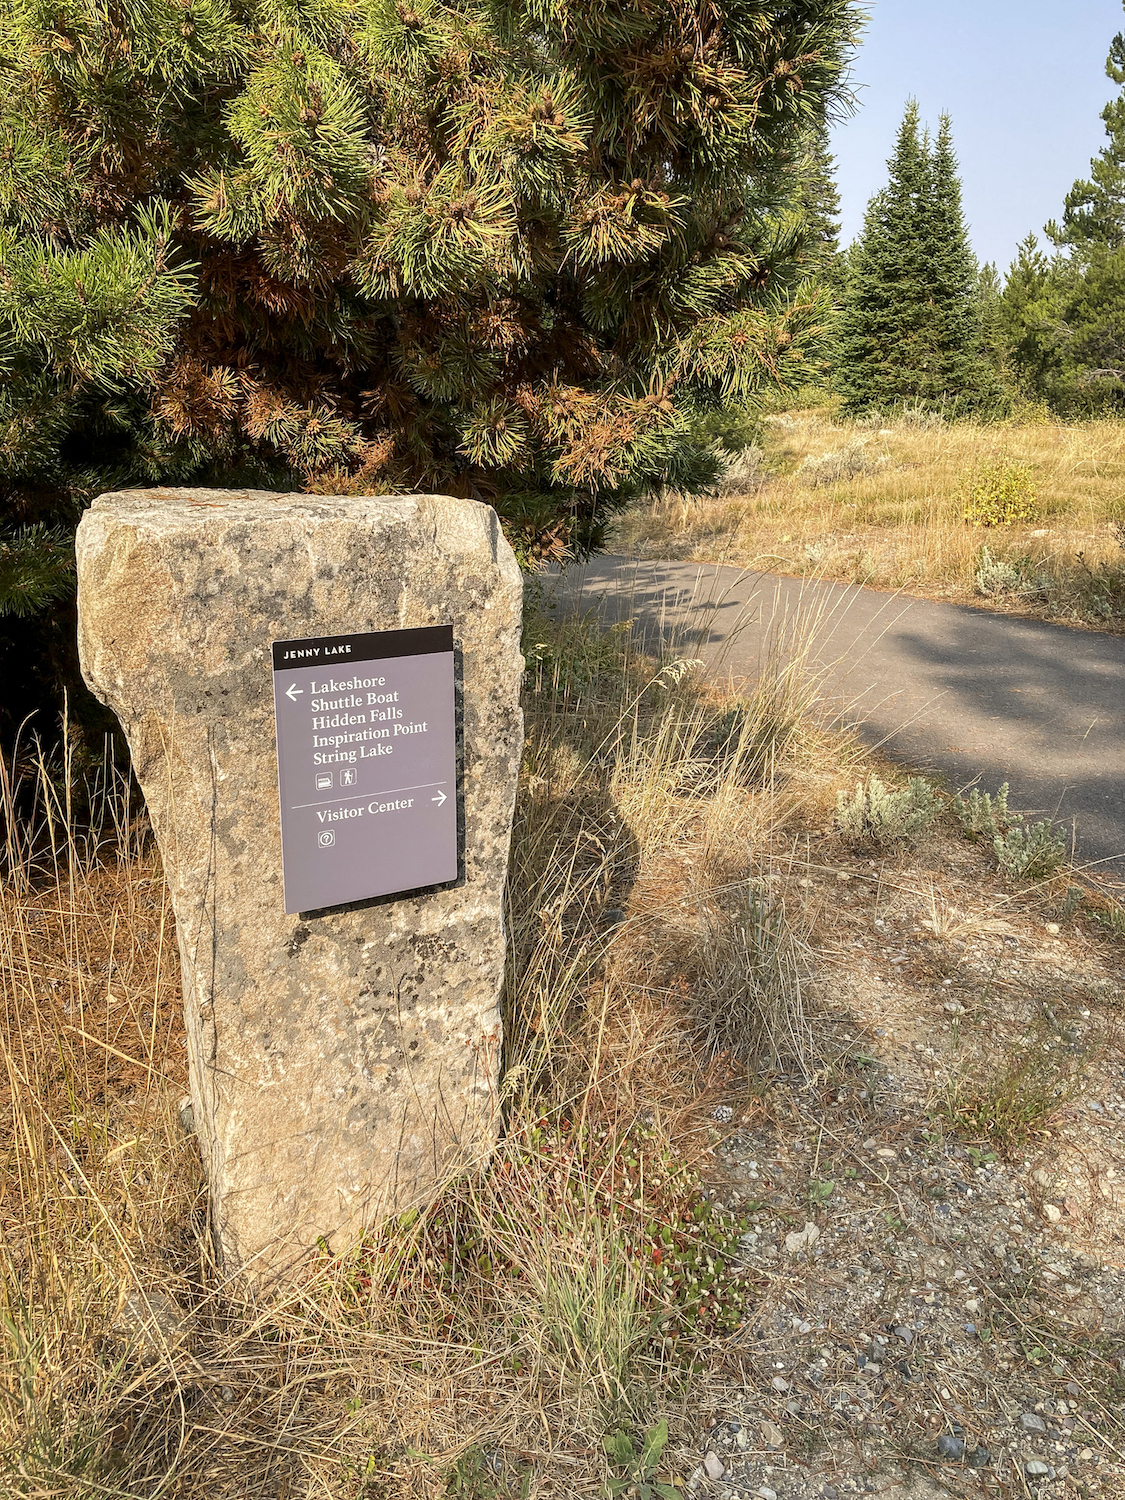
(1024, 81)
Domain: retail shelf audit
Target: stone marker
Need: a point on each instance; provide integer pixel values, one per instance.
(342, 1062)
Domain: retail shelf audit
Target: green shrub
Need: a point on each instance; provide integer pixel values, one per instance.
(1029, 852)
(882, 818)
(982, 814)
(1000, 493)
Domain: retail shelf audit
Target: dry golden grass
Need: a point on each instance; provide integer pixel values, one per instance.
(130, 1367)
(668, 876)
(884, 505)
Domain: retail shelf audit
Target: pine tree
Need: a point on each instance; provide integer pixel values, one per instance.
(506, 251)
(1094, 212)
(511, 252)
(819, 199)
(1032, 316)
(993, 342)
(1079, 362)
(964, 376)
(910, 328)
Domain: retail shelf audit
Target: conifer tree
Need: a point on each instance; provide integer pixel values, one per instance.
(1079, 362)
(819, 199)
(1094, 212)
(1032, 316)
(910, 328)
(510, 252)
(993, 342)
(507, 251)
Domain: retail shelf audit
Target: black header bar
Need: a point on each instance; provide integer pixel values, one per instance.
(372, 645)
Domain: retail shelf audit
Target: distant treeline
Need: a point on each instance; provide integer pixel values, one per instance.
(921, 324)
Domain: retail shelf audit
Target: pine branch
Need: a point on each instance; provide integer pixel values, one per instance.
(36, 569)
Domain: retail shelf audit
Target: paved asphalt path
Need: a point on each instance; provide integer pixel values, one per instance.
(981, 698)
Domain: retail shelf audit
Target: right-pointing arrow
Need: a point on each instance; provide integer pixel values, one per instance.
(439, 799)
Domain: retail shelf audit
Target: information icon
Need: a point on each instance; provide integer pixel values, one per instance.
(347, 777)
(326, 838)
(324, 781)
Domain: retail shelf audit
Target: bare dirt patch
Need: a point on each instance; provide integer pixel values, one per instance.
(939, 1300)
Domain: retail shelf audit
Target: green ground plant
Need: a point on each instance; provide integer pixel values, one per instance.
(877, 817)
(1111, 919)
(1030, 851)
(1000, 577)
(980, 814)
(639, 1467)
(1009, 1104)
(1000, 492)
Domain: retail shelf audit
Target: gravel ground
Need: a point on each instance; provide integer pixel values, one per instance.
(938, 1309)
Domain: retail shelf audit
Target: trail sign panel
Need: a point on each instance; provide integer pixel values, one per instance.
(366, 764)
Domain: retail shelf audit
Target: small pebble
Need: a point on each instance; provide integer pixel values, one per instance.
(1037, 1469)
(950, 1447)
(1032, 1423)
(713, 1465)
(765, 1493)
(979, 1457)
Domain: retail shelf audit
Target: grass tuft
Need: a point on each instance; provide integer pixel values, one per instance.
(1011, 1104)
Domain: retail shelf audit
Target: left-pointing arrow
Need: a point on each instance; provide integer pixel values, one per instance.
(292, 690)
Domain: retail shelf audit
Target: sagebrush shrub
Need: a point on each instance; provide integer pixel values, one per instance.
(845, 463)
(1029, 852)
(994, 576)
(981, 813)
(877, 816)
